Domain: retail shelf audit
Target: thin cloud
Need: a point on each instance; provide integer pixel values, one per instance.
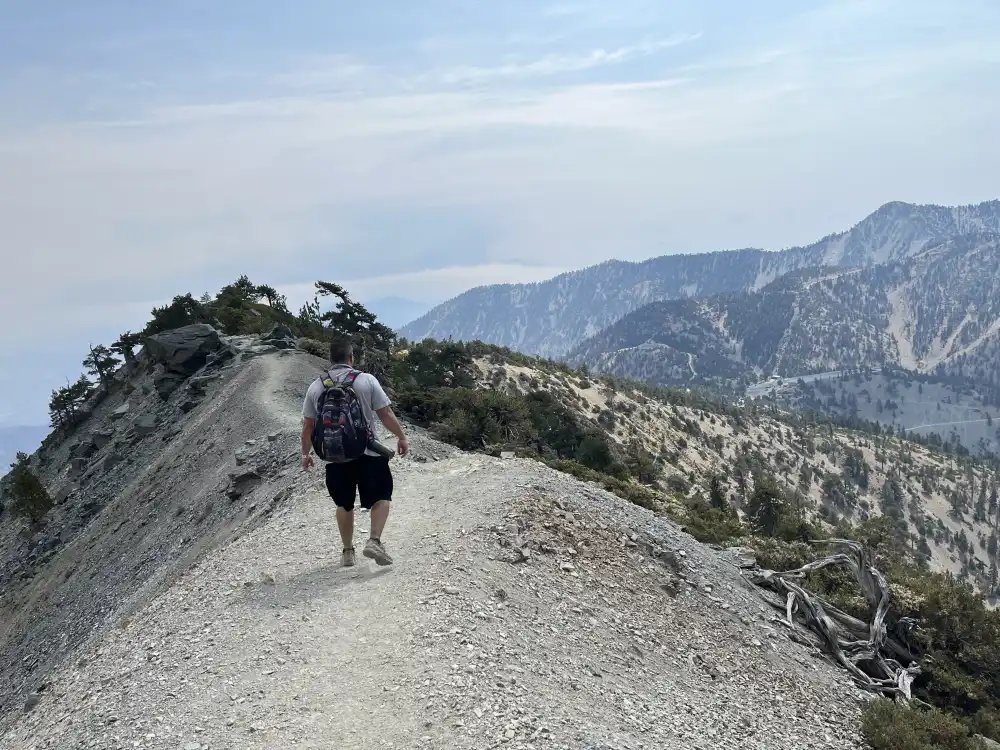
(556, 64)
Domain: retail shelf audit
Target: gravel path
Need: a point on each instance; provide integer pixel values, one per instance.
(525, 610)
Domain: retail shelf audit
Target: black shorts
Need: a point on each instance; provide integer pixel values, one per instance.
(368, 476)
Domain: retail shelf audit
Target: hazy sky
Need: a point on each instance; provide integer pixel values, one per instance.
(414, 149)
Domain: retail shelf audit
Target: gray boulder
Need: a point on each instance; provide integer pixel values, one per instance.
(111, 460)
(64, 492)
(190, 404)
(84, 449)
(280, 332)
(120, 412)
(200, 382)
(145, 425)
(101, 437)
(242, 484)
(185, 350)
(166, 383)
(220, 358)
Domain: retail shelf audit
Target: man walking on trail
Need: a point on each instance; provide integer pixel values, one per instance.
(367, 475)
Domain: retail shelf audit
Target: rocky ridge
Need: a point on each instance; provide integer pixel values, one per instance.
(526, 610)
(145, 482)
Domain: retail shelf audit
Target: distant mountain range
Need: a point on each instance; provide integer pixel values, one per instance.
(936, 310)
(553, 318)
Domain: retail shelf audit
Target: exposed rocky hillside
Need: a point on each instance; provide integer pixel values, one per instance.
(552, 317)
(935, 312)
(142, 485)
(944, 506)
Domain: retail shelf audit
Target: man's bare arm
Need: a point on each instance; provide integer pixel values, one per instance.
(388, 418)
(307, 428)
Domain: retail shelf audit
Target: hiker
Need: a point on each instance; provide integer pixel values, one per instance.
(348, 468)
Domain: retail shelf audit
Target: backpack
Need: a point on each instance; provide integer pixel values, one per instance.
(341, 432)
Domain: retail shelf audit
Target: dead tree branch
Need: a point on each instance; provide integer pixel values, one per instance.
(874, 658)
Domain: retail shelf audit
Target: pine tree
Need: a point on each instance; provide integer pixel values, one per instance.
(717, 495)
(767, 507)
(353, 320)
(242, 289)
(65, 403)
(29, 498)
(183, 310)
(274, 299)
(101, 362)
(125, 346)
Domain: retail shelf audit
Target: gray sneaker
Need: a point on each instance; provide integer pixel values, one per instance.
(376, 552)
(348, 558)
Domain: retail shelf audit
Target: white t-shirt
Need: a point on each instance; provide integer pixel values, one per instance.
(370, 394)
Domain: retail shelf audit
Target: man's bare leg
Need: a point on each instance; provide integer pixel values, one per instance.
(379, 515)
(345, 522)
(374, 548)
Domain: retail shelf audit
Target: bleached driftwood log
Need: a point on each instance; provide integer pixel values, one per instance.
(872, 655)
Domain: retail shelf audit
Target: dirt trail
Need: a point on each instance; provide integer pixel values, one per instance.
(592, 641)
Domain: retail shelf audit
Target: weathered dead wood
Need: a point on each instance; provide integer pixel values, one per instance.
(873, 658)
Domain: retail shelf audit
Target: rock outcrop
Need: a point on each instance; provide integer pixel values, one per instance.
(184, 350)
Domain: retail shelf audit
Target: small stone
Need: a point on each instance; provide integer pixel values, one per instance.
(31, 702)
(567, 567)
(267, 578)
(193, 746)
(273, 437)
(506, 455)
(450, 590)
(120, 412)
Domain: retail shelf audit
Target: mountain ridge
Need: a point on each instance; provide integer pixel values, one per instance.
(818, 320)
(551, 317)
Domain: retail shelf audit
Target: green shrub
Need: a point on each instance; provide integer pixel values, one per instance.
(678, 483)
(634, 493)
(887, 725)
(712, 525)
(314, 347)
(28, 496)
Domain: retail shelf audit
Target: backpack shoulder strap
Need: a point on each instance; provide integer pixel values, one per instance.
(351, 377)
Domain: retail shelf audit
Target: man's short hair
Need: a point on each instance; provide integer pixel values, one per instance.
(341, 350)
